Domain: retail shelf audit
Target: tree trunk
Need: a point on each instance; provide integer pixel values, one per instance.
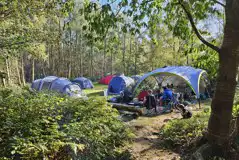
(130, 51)
(8, 71)
(111, 61)
(70, 56)
(219, 125)
(18, 72)
(124, 50)
(23, 71)
(135, 57)
(91, 60)
(81, 54)
(104, 55)
(33, 69)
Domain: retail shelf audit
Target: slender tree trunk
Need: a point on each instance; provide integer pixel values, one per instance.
(18, 72)
(44, 71)
(104, 55)
(124, 50)
(23, 71)
(70, 56)
(8, 71)
(130, 52)
(135, 56)
(111, 61)
(91, 60)
(33, 69)
(219, 125)
(81, 54)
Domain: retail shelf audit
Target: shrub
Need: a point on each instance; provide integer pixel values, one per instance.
(182, 132)
(46, 126)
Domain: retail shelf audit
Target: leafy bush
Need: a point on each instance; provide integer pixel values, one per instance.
(182, 132)
(45, 126)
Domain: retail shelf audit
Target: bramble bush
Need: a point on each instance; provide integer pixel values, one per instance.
(46, 126)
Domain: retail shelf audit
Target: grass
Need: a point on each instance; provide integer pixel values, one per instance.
(98, 90)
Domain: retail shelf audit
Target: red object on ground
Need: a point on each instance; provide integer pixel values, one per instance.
(106, 80)
(142, 95)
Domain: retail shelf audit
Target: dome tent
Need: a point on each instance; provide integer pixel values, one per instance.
(65, 86)
(35, 84)
(194, 78)
(46, 82)
(119, 83)
(83, 82)
(106, 80)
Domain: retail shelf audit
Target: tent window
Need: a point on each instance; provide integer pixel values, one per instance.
(45, 85)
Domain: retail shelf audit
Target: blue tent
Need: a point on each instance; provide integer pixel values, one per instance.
(119, 83)
(65, 86)
(84, 82)
(136, 77)
(35, 84)
(196, 79)
(46, 82)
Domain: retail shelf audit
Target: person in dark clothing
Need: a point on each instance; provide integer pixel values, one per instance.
(150, 101)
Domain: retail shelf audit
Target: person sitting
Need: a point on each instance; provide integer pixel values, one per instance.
(158, 94)
(150, 101)
(167, 95)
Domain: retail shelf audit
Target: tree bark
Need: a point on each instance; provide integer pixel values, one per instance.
(219, 125)
(81, 54)
(70, 55)
(135, 56)
(23, 71)
(33, 69)
(104, 55)
(124, 50)
(91, 60)
(8, 71)
(18, 72)
(130, 51)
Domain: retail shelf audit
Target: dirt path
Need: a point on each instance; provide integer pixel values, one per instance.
(145, 146)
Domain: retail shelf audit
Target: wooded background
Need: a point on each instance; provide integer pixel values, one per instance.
(72, 39)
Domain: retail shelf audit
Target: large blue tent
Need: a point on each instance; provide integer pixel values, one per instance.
(119, 83)
(194, 78)
(45, 82)
(65, 86)
(84, 82)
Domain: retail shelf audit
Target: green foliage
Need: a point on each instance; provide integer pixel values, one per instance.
(206, 59)
(45, 126)
(181, 132)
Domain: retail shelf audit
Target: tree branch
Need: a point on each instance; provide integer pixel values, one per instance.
(220, 3)
(196, 30)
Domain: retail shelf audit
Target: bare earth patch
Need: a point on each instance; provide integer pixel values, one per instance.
(146, 143)
(145, 146)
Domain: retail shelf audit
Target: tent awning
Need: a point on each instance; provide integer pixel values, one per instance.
(189, 74)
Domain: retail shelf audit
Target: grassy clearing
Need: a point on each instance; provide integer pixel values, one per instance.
(98, 90)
